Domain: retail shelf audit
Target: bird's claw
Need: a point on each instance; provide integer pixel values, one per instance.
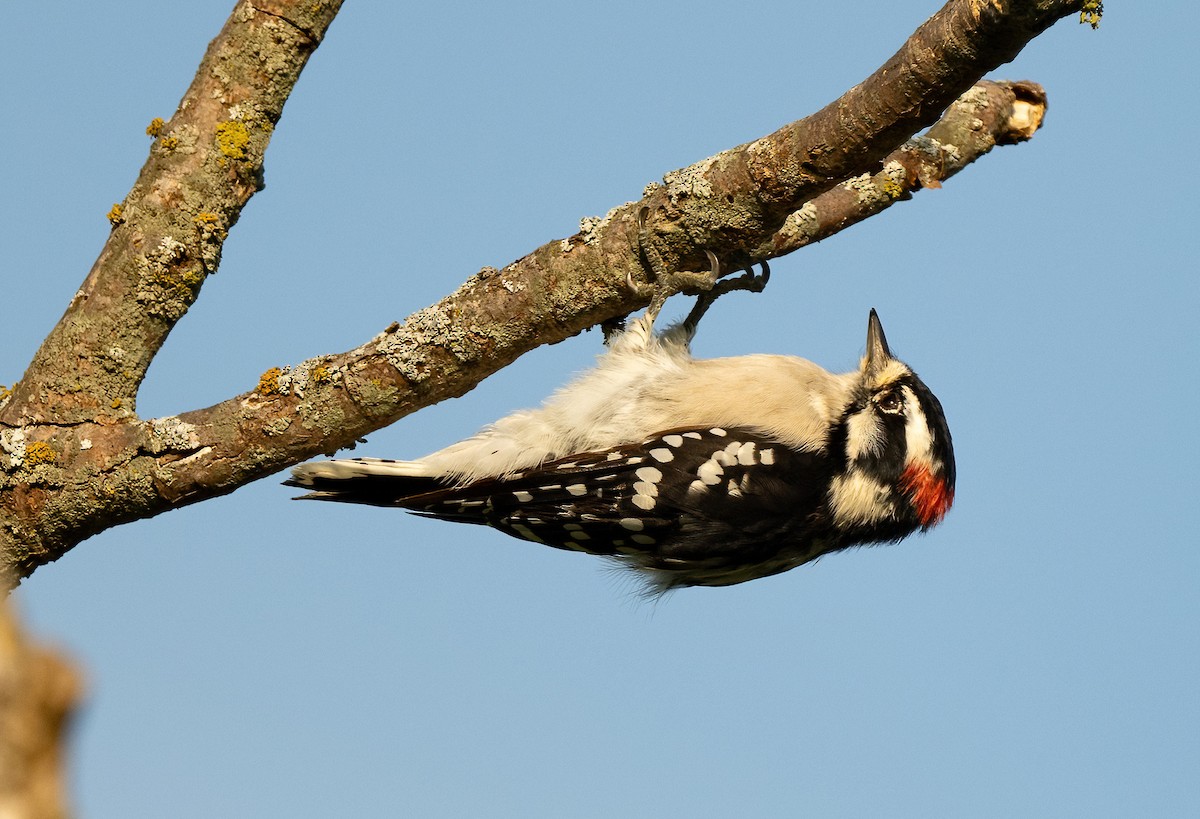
(665, 283)
(707, 284)
(749, 281)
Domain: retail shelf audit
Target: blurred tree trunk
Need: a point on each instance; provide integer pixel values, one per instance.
(40, 692)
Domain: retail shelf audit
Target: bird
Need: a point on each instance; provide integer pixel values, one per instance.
(691, 472)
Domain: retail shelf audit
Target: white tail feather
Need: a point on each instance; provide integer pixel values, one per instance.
(307, 474)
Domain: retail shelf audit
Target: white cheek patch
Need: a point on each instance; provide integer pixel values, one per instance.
(864, 435)
(856, 498)
(917, 437)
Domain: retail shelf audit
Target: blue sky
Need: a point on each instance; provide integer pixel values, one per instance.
(1037, 655)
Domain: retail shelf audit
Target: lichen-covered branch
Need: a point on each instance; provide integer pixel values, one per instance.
(75, 459)
(990, 114)
(733, 201)
(205, 164)
(327, 403)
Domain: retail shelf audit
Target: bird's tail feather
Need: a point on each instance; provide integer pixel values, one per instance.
(373, 481)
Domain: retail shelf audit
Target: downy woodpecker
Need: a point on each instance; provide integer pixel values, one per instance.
(694, 472)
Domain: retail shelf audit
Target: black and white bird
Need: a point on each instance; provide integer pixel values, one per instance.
(694, 472)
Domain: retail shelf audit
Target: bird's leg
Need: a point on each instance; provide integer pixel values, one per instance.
(748, 281)
(667, 283)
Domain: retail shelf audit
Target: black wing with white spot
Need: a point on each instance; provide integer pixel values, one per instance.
(703, 505)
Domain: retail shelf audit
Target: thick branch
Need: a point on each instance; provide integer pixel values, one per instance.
(134, 470)
(205, 164)
(327, 403)
(732, 202)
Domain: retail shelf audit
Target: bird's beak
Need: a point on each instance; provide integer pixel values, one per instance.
(878, 353)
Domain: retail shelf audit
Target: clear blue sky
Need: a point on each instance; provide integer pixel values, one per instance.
(1036, 656)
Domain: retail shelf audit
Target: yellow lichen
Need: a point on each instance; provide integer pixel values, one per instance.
(193, 277)
(169, 143)
(892, 188)
(4, 392)
(209, 224)
(117, 215)
(321, 374)
(155, 127)
(232, 139)
(116, 403)
(1092, 11)
(39, 452)
(268, 382)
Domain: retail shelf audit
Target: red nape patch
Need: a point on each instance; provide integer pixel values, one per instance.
(930, 495)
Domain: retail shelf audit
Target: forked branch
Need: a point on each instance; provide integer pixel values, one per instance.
(74, 457)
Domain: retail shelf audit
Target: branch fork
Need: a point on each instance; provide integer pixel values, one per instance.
(76, 459)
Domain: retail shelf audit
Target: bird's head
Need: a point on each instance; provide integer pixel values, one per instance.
(899, 466)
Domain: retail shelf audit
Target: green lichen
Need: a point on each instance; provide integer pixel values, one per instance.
(211, 232)
(39, 452)
(233, 137)
(277, 426)
(168, 281)
(155, 127)
(1092, 11)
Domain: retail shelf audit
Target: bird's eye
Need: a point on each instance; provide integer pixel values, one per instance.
(891, 403)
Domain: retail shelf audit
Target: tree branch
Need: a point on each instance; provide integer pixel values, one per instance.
(75, 460)
(989, 114)
(205, 164)
(40, 692)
